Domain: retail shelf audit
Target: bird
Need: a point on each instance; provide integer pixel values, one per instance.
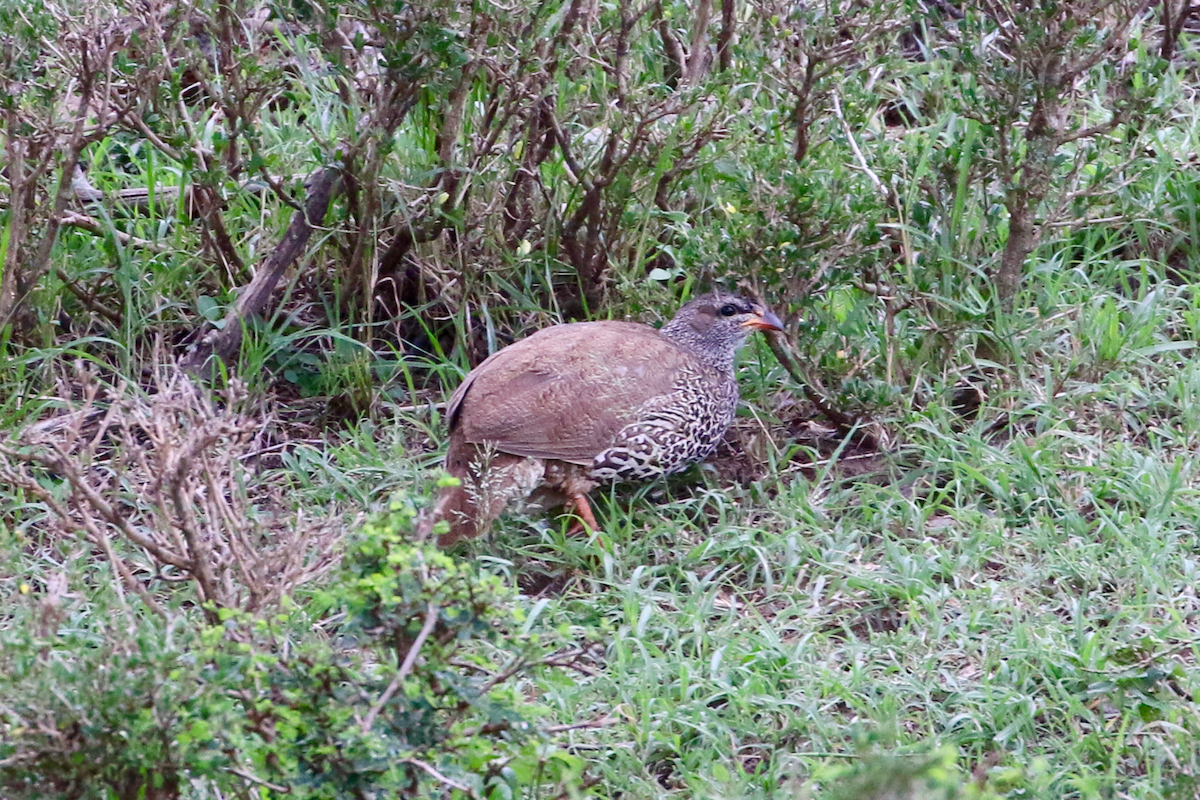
(574, 406)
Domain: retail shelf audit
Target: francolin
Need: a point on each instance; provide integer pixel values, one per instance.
(574, 406)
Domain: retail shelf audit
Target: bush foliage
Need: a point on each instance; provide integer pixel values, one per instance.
(134, 706)
(249, 246)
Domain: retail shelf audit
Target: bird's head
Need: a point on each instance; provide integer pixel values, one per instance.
(716, 325)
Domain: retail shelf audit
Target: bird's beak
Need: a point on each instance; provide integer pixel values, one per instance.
(763, 320)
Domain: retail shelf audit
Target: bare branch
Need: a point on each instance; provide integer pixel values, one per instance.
(224, 343)
(162, 473)
(431, 617)
(698, 54)
(92, 225)
(453, 784)
(858, 153)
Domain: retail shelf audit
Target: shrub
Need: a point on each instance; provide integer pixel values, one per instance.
(400, 677)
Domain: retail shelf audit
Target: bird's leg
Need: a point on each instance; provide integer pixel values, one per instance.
(578, 504)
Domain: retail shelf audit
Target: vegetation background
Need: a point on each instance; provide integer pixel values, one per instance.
(948, 550)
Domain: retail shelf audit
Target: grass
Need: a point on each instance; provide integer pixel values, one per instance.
(839, 613)
(1026, 596)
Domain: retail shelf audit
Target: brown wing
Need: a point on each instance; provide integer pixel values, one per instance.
(565, 391)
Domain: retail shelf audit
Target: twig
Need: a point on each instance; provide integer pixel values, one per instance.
(62, 194)
(1080, 222)
(255, 779)
(431, 615)
(63, 466)
(420, 407)
(1174, 649)
(160, 472)
(575, 173)
(197, 545)
(262, 451)
(846, 422)
(453, 784)
(153, 138)
(603, 722)
(569, 661)
(92, 532)
(825, 462)
(23, 270)
(87, 298)
(862, 160)
(137, 198)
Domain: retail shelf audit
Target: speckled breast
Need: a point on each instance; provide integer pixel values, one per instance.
(671, 431)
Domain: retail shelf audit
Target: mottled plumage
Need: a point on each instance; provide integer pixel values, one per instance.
(574, 406)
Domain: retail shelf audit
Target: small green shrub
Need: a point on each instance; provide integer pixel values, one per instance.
(98, 708)
(400, 678)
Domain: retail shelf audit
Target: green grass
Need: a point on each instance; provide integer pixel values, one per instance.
(1024, 594)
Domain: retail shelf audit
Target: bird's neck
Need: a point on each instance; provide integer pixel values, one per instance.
(719, 356)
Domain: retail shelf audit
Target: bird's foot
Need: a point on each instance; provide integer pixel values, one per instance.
(586, 522)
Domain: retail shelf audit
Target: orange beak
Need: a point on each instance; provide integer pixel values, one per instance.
(763, 320)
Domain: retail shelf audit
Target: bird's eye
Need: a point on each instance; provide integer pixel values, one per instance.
(728, 310)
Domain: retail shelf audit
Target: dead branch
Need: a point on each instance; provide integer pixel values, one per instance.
(155, 483)
(847, 423)
(88, 299)
(92, 225)
(440, 778)
(30, 157)
(138, 198)
(431, 617)
(224, 343)
(74, 146)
